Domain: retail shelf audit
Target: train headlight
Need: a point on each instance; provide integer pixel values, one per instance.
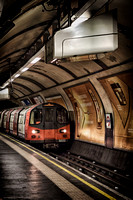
(35, 131)
(63, 130)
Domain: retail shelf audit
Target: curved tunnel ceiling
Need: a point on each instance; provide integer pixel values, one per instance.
(25, 38)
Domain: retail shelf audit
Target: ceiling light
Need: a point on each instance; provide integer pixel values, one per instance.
(54, 60)
(24, 69)
(85, 16)
(17, 75)
(5, 84)
(35, 60)
(79, 20)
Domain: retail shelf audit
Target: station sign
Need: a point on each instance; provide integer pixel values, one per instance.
(108, 121)
(95, 35)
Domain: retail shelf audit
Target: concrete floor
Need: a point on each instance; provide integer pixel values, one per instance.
(26, 173)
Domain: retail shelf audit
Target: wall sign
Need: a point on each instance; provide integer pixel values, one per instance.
(108, 121)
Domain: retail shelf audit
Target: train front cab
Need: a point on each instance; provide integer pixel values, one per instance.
(47, 124)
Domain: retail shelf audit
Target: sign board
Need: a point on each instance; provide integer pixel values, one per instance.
(95, 35)
(4, 94)
(26, 102)
(108, 121)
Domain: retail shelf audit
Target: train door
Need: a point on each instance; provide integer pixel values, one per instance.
(21, 123)
(4, 120)
(8, 120)
(49, 123)
(11, 121)
(15, 121)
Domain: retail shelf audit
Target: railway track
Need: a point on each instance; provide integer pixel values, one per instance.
(111, 177)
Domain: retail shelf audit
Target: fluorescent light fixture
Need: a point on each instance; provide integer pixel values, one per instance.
(24, 69)
(5, 84)
(17, 75)
(85, 16)
(79, 20)
(35, 60)
(53, 60)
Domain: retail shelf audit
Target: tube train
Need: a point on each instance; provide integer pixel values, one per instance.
(45, 123)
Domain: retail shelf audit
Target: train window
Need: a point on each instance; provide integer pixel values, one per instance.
(49, 114)
(36, 116)
(21, 119)
(5, 116)
(62, 116)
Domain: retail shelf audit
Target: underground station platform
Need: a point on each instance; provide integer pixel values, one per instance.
(28, 173)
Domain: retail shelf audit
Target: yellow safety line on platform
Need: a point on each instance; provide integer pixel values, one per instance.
(59, 166)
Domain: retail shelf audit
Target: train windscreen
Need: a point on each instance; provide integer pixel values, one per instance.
(62, 116)
(36, 116)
